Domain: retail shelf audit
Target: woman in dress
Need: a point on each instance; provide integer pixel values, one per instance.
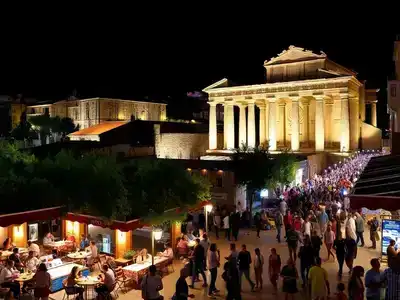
(289, 275)
(43, 283)
(356, 286)
(143, 257)
(274, 267)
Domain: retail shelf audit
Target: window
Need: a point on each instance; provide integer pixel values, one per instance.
(393, 90)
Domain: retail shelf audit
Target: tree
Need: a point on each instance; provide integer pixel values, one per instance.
(285, 167)
(23, 131)
(253, 169)
(64, 126)
(156, 185)
(43, 124)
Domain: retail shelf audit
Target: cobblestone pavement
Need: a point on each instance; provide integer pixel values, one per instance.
(265, 243)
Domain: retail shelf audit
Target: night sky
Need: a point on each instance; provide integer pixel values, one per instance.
(166, 57)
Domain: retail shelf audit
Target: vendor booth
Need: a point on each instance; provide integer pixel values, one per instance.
(22, 226)
(111, 237)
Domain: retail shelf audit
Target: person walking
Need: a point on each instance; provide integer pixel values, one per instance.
(292, 239)
(217, 222)
(329, 239)
(316, 243)
(181, 286)
(374, 225)
(351, 252)
(323, 221)
(258, 223)
(198, 264)
(226, 226)
(306, 255)
(373, 280)
(231, 277)
(289, 275)
(235, 224)
(340, 247)
(356, 285)
(319, 284)
(278, 225)
(258, 268)
(213, 260)
(307, 227)
(244, 261)
(274, 268)
(152, 285)
(359, 229)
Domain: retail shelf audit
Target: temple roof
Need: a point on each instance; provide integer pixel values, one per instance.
(294, 54)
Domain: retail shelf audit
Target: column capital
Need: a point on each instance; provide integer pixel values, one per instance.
(212, 103)
(319, 97)
(344, 96)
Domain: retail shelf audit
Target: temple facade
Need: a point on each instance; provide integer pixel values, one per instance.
(308, 103)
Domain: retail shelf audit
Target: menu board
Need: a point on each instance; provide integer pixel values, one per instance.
(390, 231)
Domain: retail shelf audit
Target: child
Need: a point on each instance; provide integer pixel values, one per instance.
(340, 295)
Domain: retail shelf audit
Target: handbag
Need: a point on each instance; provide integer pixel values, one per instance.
(377, 237)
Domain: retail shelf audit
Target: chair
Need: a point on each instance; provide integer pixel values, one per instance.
(107, 295)
(121, 279)
(99, 260)
(69, 291)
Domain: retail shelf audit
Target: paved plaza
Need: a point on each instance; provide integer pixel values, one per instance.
(265, 243)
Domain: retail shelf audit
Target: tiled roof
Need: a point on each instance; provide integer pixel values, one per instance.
(99, 129)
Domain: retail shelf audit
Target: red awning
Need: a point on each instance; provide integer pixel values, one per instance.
(112, 224)
(374, 202)
(30, 216)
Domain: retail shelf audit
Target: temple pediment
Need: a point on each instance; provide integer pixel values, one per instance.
(294, 54)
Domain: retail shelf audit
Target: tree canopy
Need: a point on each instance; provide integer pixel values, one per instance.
(95, 184)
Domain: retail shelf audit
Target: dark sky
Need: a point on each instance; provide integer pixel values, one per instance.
(168, 55)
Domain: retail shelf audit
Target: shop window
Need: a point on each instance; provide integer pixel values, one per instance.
(103, 237)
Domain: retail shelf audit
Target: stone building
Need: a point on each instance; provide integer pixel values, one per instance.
(93, 111)
(308, 104)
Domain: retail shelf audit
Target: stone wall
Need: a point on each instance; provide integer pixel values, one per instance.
(181, 145)
(371, 137)
(318, 162)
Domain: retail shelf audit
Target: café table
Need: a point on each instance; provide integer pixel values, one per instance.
(139, 270)
(80, 256)
(23, 277)
(86, 282)
(122, 261)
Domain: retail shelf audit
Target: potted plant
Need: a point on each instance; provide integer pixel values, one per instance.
(129, 254)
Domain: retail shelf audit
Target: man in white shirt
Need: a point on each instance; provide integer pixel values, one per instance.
(34, 247)
(283, 207)
(6, 279)
(32, 262)
(226, 227)
(152, 284)
(307, 226)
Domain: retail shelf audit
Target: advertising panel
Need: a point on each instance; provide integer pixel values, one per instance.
(390, 231)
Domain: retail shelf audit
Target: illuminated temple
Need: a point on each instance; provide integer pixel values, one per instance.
(308, 103)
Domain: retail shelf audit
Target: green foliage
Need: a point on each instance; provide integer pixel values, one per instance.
(129, 254)
(156, 186)
(45, 125)
(285, 167)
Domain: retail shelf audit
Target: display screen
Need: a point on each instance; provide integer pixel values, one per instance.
(390, 231)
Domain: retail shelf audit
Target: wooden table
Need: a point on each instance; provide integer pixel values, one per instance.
(80, 256)
(23, 277)
(86, 282)
(122, 261)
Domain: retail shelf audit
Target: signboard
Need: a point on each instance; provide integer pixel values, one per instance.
(390, 231)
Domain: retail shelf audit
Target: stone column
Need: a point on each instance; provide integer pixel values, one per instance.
(242, 125)
(266, 121)
(262, 124)
(230, 135)
(345, 126)
(319, 123)
(295, 143)
(354, 118)
(225, 126)
(306, 123)
(212, 131)
(373, 114)
(272, 124)
(251, 125)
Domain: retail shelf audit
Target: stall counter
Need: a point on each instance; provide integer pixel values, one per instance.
(58, 274)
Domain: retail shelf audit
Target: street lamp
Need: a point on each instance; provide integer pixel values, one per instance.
(207, 209)
(156, 234)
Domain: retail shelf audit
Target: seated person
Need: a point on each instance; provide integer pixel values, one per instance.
(8, 245)
(84, 242)
(32, 262)
(111, 263)
(107, 280)
(182, 247)
(7, 279)
(143, 257)
(70, 283)
(16, 259)
(190, 236)
(34, 247)
(48, 238)
(168, 252)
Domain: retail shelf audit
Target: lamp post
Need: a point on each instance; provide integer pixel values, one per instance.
(156, 234)
(207, 209)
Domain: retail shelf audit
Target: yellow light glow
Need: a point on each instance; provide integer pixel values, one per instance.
(189, 169)
(72, 228)
(121, 237)
(157, 233)
(220, 172)
(208, 207)
(18, 231)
